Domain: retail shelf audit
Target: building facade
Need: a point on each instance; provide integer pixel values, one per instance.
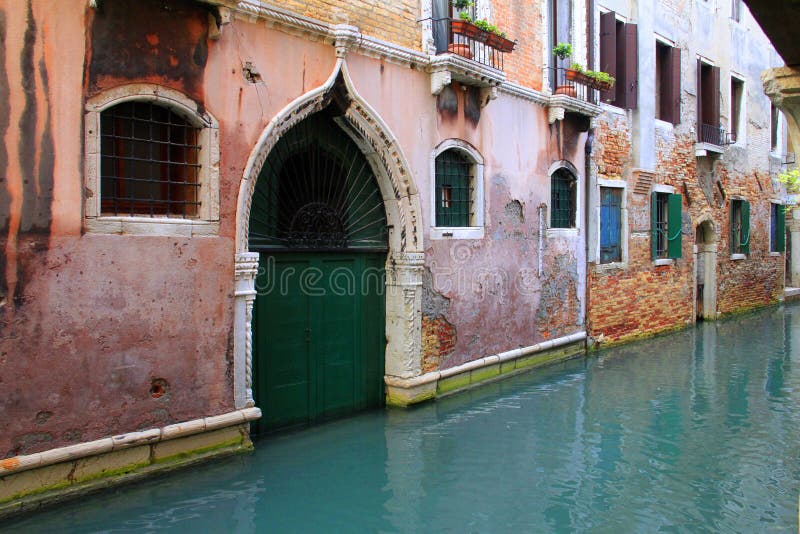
(224, 212)
(690, 221)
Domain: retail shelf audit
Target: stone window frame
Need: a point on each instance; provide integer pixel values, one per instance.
(772, 244)
(668, 190)
(575, 229)
(623, 234)
(741, 137)
(206, 223)
(735, 253)
(476, 230)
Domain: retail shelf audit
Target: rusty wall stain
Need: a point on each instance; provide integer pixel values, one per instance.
(149, 40)
(5, 111)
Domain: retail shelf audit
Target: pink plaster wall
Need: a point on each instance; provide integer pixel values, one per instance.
(89, 321)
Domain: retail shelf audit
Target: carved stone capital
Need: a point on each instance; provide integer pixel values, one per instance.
(246, 265)
(405, 269)
(346, 39)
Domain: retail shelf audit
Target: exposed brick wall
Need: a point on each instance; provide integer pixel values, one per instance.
(394, 21)
(641, 298)
(522, 22)
(438, 341)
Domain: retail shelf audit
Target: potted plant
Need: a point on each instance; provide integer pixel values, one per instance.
(479, 30)
(562, 51)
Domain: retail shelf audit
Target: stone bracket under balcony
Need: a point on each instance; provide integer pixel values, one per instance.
(448, 68)
(559, 105)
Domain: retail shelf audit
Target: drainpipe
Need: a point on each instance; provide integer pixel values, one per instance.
(587, 156)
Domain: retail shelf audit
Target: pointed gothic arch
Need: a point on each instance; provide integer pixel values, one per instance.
(379, 146)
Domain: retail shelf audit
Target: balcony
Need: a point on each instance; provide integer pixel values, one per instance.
(572, 93)
(711, 139)
(467, 40)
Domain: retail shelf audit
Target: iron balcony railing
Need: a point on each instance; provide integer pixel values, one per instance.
(458, 37)
(713, 135)
(562, 83)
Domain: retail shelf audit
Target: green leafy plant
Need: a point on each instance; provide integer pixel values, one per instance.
(576, 67)
(600, 76)
(463, 4)
(791, 180)
(465, 16)
(562, 50)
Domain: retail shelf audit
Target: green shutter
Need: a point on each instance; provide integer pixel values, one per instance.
(780, 229)
(745, 227)
(653, 225)
(674, 219)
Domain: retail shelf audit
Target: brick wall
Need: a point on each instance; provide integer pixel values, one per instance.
(640, 298)
(394, 21)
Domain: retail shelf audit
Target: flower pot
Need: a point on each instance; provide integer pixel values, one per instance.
(572, 74)
(500, 43)
(467, 29)
(568, 90)
(461, 49)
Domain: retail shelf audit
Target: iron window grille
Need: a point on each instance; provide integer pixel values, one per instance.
(740, 226)
(454, 190)
(149, 162)
(661, 225)
(562, 199)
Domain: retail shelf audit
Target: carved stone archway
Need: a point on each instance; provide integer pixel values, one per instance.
(705, 271)
(401, 202)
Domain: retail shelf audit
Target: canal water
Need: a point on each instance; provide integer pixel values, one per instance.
(694, 431)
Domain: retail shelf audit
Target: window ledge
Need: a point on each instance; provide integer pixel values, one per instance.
(611, 108)
(447, 68)
(562, 232)
(702, 149)
(664, 261)
(151, 226)
(612, 266)
(736, 257)
(471, 232)
(776, 254)
(664, 125)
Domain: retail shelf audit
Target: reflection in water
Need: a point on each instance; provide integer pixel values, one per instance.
(692, 431)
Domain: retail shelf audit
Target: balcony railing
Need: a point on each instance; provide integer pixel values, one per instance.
(713, 135)
(562, 84)
(466, 40)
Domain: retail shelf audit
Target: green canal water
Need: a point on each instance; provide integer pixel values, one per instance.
(694, 431)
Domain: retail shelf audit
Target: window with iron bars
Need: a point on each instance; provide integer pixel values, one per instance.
(454, 190)
(562, 199)
(149, 163)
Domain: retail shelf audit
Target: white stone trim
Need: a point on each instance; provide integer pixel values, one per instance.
(579, 200)
(525, 93)
(208, 214)
(737, 257)
(476, 230)
(17, 464)
(513, 354)
(663, 188)
(663, 261)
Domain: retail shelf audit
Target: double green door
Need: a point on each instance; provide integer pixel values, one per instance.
(318, 335)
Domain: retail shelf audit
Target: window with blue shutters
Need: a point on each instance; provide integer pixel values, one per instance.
(777, 228)
(610, 224)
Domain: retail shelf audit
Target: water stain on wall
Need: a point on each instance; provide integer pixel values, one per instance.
(5, 111)
(150, 40)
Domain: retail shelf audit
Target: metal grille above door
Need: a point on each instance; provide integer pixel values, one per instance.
(317, 191)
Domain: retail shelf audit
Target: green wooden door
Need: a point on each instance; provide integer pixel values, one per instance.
(319, 339)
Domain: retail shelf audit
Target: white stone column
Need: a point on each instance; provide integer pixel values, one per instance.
(794, 228)
(246, 269)
(709, 253)
(404, 314)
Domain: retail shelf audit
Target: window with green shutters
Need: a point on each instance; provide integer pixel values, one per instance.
(777, 228)
(562, 199)
(454, 189)
(740, 226)
(665, 214)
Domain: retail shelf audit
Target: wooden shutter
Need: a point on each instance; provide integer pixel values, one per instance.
(780, 228)
(714, 98)
(608, 50)
(699, 126)
(674, 220)
(745, 227)
(654, 225)
(630, 45)
(673, 86)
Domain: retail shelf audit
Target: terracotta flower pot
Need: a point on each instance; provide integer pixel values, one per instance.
(568, 90)
(461, 49)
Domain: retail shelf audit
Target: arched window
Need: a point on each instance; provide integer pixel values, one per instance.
(152, 163)
(458, 191)
(563, 204)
